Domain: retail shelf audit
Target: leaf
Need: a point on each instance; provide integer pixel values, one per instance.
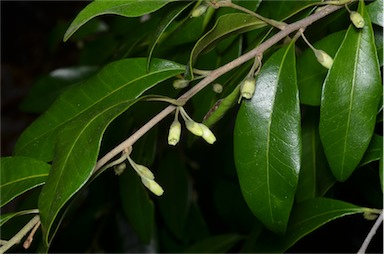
(137, 205)
(117, 82)
(215, 244)
(350, 100)
(105, 97)
(8, 216)
(311, 74)
(226, 25)
(315, 176)
(126, 8)
(20, 174)
(267, 141)
(175, 202)
(374, 151)
(375, 11)
(306, 217)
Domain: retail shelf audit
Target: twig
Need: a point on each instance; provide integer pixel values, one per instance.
(370, 235)
(28, 241)
(213, 76)
(17, 238)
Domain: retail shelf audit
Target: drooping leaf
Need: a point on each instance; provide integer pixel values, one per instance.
(267, 141)
(8, 216)
(137, 205)
(126, 8)
(117, 82)
(350, 99)
(375, 11)
(20, 174)
(374, 151)
(306, 217)
(311, 74)
(215, 244)
(79, 139)
(315, 176)
(226, 25)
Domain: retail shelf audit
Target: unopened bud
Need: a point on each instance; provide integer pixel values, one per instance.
(217, 88)
(357, 19)
(119, 169)
(180, 83)
(174, 133)
(152, 186)
(248, 88)
(323, 58)
(199, 10)
(143, 171)
(207, 134)
(194, 128)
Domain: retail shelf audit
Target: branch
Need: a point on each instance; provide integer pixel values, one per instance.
(213, 76)
(370, 235)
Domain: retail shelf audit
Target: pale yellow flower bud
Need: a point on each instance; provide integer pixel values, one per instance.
(152, 186)
(143, 171)
(180, 83)
(323, 58)
(248, 88)
(194, 127)
(119, 169)
(199, 10)
(217, 88)
(207, 134)
(174, 133)
(357, 19)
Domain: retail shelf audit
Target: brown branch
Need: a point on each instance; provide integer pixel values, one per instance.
(303, 23)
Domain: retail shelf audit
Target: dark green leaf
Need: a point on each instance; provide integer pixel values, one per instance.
(375, 11)
(350, 99)
(137, 205)
(118, 82)
(233, 23)
(20, 174)
(267, 141)
(306, 217)
(315, 176)
(8, 216)
(175, 202)
(126, 8)
(215, 244)
(101, 99)
(311, 74)
(374, 151)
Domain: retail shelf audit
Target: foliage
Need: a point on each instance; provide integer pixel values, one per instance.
(285, 150)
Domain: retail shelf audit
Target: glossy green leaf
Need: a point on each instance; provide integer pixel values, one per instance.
(175, 202)
(137, 205)
(8, 216)
(215, 244)
(350, 100)
(20, 174)
(105, 97)
(374, 151)
(375, 11)
(126, 8)
(315, 176)
(311, 74)
(226, 25)
(118, 82)
(306, 217)
(267, 141)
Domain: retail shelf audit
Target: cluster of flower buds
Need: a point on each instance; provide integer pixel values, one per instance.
(195, 128)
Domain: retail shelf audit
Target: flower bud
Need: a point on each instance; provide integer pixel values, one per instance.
(174, 133)
(323, 58)
(357, 19)
(207, 134)
(180, 83)
(152, 186)
(194, 127)
(248, 88)
(217, 88)
(119, 169)
(143, 171)
(199, 10)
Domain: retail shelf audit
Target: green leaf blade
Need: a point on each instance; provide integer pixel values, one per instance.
(350, 100)
(126, 8)
(20, 174)
(267, 142)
